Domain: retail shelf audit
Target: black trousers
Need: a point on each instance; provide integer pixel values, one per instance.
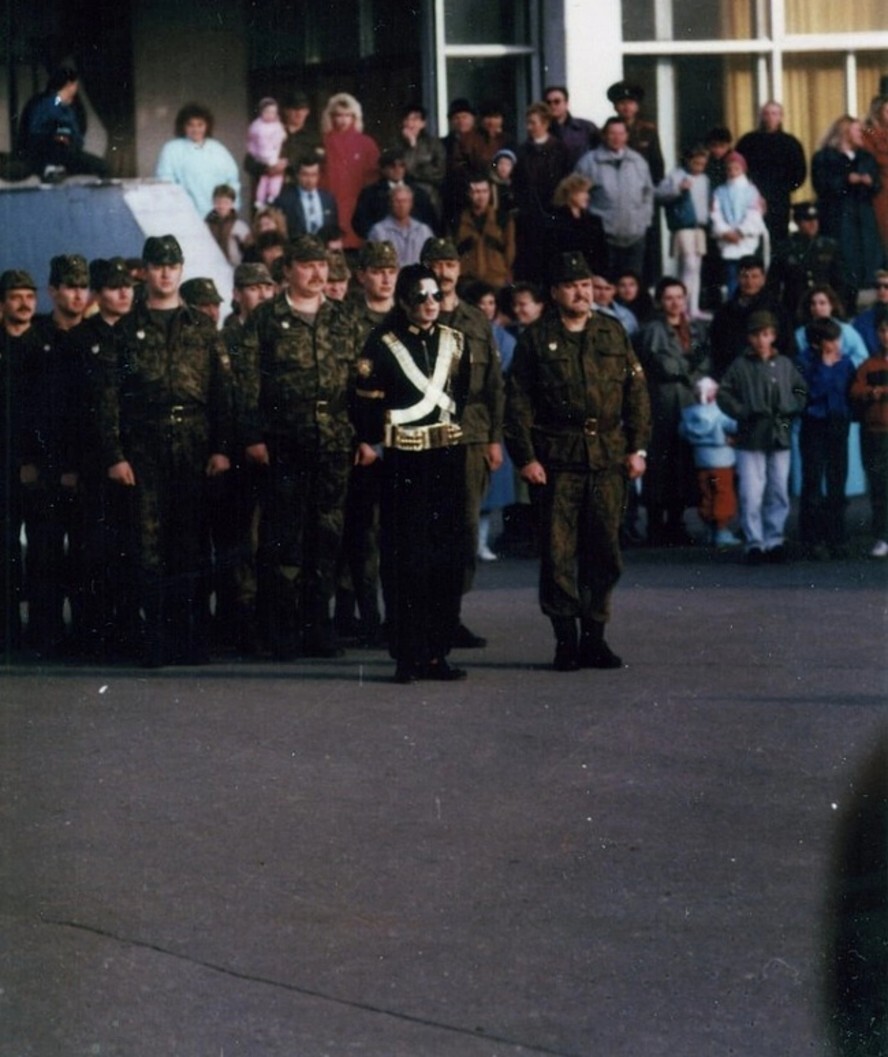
(422, 542)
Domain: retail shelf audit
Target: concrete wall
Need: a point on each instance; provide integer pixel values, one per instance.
(192, 52)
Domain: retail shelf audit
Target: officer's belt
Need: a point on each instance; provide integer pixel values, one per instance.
(432, 388)
(422, 438)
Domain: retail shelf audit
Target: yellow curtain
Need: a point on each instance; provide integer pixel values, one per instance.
(739, 98)
(827, 16)
(872, 66)
(813, 97)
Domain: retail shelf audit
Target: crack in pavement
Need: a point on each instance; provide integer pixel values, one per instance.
(308, 992)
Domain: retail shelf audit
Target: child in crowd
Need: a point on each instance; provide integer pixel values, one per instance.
(823, 441)
(265, 137)
(869, 394)
(685, 194)
(707, 428)
(502, 165)
(737, 221)
(763, 392)
(231, 233)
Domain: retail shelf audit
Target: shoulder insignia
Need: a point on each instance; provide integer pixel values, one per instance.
(364, 367)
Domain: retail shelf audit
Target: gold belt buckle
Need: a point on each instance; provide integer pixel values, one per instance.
(322, 408)
(590, 427)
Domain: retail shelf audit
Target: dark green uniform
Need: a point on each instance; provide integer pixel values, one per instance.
(298, 377)
(577, 403)
(166, 411)
(482, 419)
(800, 263)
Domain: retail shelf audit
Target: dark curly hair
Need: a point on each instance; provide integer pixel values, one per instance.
(191, 111)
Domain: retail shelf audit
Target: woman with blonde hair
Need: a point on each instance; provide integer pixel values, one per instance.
(846, 178)
(875, 139)
(351, 158)
(572, 228)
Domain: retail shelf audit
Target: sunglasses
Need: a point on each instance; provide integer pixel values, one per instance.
(420, 297)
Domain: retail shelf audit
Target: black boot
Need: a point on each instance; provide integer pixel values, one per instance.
(566, 642)
(593, 651)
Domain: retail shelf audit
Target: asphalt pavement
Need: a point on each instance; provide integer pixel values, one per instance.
(306, 860)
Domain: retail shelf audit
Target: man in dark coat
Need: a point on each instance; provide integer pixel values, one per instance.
(777, 166)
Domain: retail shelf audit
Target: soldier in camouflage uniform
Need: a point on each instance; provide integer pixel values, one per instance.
(804, 260)
(165, 427)
(109, 594)
(234, 496)
(577, 422)
(482, 420)
(358, 576)
(18, 346)
(301, 350)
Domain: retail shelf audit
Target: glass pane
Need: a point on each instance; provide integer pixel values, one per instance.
(826, 16)
(503, 80)
(688, 20)
(489, 22)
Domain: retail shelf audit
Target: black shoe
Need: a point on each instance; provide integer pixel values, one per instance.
(442, 672)
(406, 673)
(777, 555)
(755, 556)
(599, 656)
(565, 659)
(464, 639)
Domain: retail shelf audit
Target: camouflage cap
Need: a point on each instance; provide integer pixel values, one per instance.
(111, 273)
(378, 255)
(252, 274)
(69, 269)
(760, 321)
(200, 292)
(436, 249)
(16, 279)
(162, 249)
(305, 248)
(338, 266)
(568, 268)
(805, 211)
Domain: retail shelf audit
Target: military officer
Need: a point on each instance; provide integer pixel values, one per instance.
(165, 427)
(413, 381)
(482, 420)
(805, 259)
(109, 593)
(301, 350)
(358, 578)
(577, 424)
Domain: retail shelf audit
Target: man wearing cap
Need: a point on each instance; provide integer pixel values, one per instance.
(412, 381)
(763, 392)
(19, 352)
(307, 207)
(803, 260)
(358, 573)
(578, 422)
(338, 276)
(110, 593)
(301, 353)
(644, 138)
(234, 496)
(424, 155)
(165, 428)
(375, 200)
(201, 295)
(401, 228)
(52, 503)
(482, 419)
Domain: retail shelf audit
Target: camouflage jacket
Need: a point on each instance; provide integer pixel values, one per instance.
(585, 411)
(163, 378)
(482, 420)
(298, 377)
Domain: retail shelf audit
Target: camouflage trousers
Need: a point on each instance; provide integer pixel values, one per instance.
(579, 516)
(300, 535)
